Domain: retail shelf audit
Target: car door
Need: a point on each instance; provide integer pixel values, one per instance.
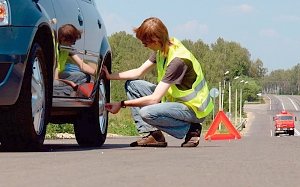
(94, 31)
(69, 12)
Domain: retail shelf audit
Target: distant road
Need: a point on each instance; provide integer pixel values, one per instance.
(291, 103)
(257, 160)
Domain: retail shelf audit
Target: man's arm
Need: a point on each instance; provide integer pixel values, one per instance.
(160, 90)
(130, 74)
(154, 98)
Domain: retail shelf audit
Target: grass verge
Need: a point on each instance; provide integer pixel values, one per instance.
(53, 129)
(122, 123)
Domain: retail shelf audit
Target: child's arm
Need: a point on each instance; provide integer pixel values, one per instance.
(83, 66)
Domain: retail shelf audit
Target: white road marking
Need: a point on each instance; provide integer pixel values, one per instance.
(270, 102)
(282, 105)
(293, 104)
(271, 132)
(296, 132)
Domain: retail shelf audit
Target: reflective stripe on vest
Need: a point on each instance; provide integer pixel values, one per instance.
(195, 92)
(205, 103)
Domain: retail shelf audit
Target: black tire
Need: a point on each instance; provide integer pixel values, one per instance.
(291, 132)
(91, 125)
(23, 125)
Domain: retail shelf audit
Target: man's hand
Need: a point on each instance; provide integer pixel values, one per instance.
(105, 71)
(113, 107)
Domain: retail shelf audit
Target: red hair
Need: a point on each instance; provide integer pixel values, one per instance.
(153, 30)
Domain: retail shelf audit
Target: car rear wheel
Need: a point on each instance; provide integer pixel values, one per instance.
(91, 125)
(23, 126)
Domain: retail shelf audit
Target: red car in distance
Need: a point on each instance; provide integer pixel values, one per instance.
(284, 123)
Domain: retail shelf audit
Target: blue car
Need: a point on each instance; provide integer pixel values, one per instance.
(29, 95)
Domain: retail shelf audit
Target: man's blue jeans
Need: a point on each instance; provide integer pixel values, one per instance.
(171, 117)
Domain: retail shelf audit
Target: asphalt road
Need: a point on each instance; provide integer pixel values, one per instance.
(259, 159)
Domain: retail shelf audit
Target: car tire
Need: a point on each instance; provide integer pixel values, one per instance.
(91, 124)
(24, 123)
(291, 132)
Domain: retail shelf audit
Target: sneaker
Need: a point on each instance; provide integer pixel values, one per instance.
(192, 138)
(154, 139)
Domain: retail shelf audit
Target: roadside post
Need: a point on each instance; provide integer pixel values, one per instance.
(214, 92)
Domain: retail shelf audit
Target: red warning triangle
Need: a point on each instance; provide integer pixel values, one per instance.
(232, 132)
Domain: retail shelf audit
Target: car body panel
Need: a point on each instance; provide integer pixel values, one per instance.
(68, 12)
(20, 32)
(16, 56)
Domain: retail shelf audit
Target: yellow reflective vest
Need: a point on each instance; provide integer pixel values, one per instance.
(197, 97)
(62, 56)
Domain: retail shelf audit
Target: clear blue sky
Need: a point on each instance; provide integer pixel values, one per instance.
(269, 29)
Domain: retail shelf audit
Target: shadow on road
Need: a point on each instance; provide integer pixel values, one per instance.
(76, 147)
(67, 148)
